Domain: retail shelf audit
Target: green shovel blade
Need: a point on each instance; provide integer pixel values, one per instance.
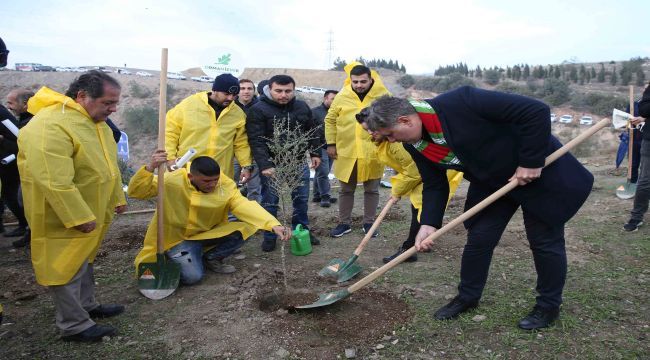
(348, 273)
(332, 268)
(327, 299)
(160, 279)
(626, 191)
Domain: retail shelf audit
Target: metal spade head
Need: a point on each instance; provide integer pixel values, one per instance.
(327, 299)
(348, 273)
(626, 191)
(160, 279)
(332, 268)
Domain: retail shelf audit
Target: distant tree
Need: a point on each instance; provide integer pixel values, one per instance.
(601, 73)
(479, 72)
(508, 73)
(555, 92)
(573, 74)
(593, 73)
(339, 64)
(492, 76)
(557, 73)
(526, 73)
(640, 77)
(516, 73)
(403, 69)
(613, 79)
(588, 77)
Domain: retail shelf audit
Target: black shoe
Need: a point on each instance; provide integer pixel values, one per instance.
(632, 225)
(455, 307)
(106, 311)
(366, 228)
(22, 242)
(412, 258)
(333, 200)
(316, 199)
(539, 318)
(340, 230)
(268, 245)
(92, 334)
(325, 202)
(19, 231)
(313, 239)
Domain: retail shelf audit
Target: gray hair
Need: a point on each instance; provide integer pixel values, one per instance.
(384, 112)
(22, 95)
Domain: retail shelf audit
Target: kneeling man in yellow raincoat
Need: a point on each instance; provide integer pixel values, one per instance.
(197, 230)
(71, 188)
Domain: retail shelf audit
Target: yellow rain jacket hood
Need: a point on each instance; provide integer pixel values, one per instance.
(191, 124)
(408, 180)
(353, 144)
(193, 215)
(69, 176)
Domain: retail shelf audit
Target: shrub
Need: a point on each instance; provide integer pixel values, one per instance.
(444, 83)
(139, 91)
(513, 88)
(406, 81)
(554, 91)
(125, 170)
(141, 120)
(599, 104)
(491, 76)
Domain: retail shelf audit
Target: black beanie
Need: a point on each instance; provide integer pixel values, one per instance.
(226, 83)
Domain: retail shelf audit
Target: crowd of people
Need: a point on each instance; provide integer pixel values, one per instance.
(65, 186)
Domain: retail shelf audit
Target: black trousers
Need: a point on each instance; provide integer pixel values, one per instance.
(484, 232)
(9, 194)
(413, 230)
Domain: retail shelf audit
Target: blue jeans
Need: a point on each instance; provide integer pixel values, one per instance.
(254, 185)
(321, 179)
(189, 255)
(299, 196)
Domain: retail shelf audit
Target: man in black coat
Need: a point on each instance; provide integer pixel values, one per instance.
(493, 138)
(279, 104)
(321, 176)
(642, 195)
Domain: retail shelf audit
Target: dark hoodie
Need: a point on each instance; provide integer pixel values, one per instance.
(259, 126)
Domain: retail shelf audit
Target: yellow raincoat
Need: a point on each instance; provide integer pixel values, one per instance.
(69, 176)
(191, 124)
(193, 215)
(408, 180)
(353, 144)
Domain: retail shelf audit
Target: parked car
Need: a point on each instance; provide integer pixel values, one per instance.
(143, 73)
(78, 69)
(566, 119)
(586, 120)
(123, 71)
(175, 75)
(63, 69)
(203, 78)
(553, 118)
(43, 68)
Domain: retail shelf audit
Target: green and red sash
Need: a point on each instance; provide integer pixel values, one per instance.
(437, 151)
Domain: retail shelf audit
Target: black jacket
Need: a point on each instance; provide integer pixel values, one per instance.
(9, 142)
(319, 113)
(493, 133)
(644, 110)
(259, 126)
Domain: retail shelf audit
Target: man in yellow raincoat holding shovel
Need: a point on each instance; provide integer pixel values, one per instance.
(214, 125)
(71, 188)
(197, 230)
(351, 146)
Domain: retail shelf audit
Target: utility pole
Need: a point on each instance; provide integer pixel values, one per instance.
(330, 48)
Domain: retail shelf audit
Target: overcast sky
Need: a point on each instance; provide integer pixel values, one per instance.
(295, 34)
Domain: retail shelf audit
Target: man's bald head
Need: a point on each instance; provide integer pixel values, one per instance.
(17, 100)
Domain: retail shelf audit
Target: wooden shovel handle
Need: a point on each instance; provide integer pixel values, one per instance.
(476, 208)
(162, 110)
(375, 225)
